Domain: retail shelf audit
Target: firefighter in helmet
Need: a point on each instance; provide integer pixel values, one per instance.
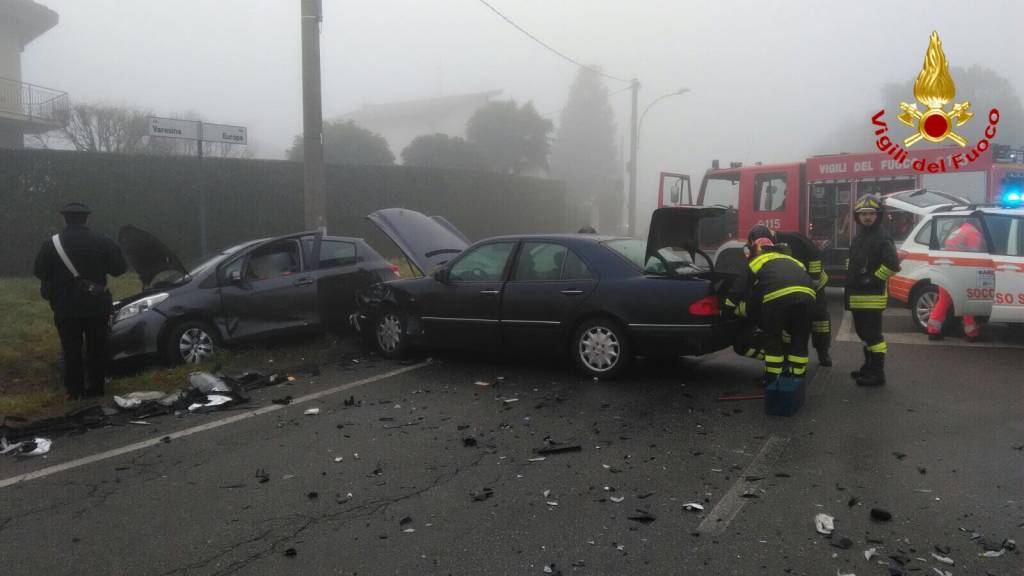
(966, 238)
(807, 252)
(872, 262)
(779, 285)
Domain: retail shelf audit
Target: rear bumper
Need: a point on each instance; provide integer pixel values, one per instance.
(683, 339)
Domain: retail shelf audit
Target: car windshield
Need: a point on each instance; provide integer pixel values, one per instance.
(668, 261)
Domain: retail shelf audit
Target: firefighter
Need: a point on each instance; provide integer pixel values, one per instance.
(872, 262)
(966, 238)
(807, 252)
(779, 285)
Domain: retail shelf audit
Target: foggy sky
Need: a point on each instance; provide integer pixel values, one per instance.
(768, 79)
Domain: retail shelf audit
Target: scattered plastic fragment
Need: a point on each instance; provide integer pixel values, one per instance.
(339, 458)
(211, 401)
(537, 459)
(880, 515)
(409, 530)
(642, 516)
(140, 422)
(482, 383)
(311, 412)
(510, 400)
(693, 507)
(262, 476)
(208, 383)
(824, 524)
(993, 553)
(942, 572)
(313, 495)
(469, 441)
(551, 503)
(482, 495)
(853, 502)
(291, 552)
(350, 401)
(554, 447)
(404, 521)
(840, 573)
(35, 447)
(282, 401)
(617, 499)
(870, 553)
(944, 559)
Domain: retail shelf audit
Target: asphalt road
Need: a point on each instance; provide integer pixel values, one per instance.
(385, 486)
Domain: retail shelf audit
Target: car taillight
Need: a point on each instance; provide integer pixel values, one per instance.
(707, 306)
(395, 270)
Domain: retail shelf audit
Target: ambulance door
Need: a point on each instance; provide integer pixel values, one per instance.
(965, 273)
(1008, 304)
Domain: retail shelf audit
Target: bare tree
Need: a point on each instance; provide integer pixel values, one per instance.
(104, 128)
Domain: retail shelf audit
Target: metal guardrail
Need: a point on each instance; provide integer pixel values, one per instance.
(32, 103)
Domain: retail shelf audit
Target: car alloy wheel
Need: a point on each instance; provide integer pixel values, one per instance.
(195, 345)
(923, 305)
(599, 349)
(389, 333)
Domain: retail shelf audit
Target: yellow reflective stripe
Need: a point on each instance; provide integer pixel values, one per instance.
(814, 266)
(757, 263)
(822, 324)
(730, 303)
(774, 359)
(741, 310)
(799, 359)
(880, 348)
(789, 290)
(884, 272)
(773, 369)
(822, 281)
(799, 370)
(750, 353)
(821, 327)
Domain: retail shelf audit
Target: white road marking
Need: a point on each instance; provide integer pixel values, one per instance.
(846, 334)
(730, 505)
(43, 472)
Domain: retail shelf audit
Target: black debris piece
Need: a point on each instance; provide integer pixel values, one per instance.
(282, 401)
(313, 495)
(1009, 544)
(482, 495)
(232, 486)
(552, 446)
(262, 476)
(404, 521)
(350, 401)
(462, 427)
(899, 455)
(291, 552)
(782, 475)
(579, 564)
(166, 439)
(386, 419)
(642, 516)
(901, 559)
(874, 540)
(750, 495)
(469, 441)
(753, 478)
(841, 543)
(644, 495)
(944, 550)
(853, 502)
(896, 571)
(922, 470)
(880, 515)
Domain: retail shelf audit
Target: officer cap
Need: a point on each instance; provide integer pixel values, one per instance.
(75, 208)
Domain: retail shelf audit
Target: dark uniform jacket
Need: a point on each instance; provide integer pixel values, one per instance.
(769, 276)
(94, 256)
(807, 252)
(873, 260)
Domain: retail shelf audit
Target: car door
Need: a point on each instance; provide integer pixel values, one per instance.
(1008, 303)
(966, 273)
(340, 272)
(464, 311)
(548, 285)
(270, 288)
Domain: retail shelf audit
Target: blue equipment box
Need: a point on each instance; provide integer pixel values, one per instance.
(784, 397)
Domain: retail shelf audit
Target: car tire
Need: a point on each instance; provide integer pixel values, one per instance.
(191, 342)
(601, 348)
(389, 337)
(921, 303)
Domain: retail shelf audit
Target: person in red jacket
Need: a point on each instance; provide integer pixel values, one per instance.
(966, 238)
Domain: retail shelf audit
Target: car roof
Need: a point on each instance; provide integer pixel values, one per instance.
(967, 210)
(578, 237)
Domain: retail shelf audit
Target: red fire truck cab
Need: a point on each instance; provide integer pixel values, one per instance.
(816, 196)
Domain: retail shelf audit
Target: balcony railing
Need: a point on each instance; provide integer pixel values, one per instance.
(31, 103)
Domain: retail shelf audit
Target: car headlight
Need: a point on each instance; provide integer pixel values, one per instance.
(139, 306)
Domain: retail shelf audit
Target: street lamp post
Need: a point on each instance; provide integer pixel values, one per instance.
(635, 145)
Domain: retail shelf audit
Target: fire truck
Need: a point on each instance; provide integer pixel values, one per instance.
(816, 196)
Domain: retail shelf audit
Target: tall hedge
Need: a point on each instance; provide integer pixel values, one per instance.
(248, 199)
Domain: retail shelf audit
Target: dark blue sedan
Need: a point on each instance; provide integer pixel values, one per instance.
(602, 299)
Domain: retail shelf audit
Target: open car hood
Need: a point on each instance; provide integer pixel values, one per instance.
(429, 241)
(148, 256)
(678, 227)
(921, 201)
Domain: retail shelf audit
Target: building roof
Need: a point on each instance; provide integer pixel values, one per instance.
(30, 18)
(430, 107)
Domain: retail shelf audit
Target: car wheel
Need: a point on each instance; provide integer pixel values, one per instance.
(600, 348)
(389, 335)
(191, 342)
(921, 305)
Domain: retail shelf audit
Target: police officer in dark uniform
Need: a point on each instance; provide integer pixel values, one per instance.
(79, 299)
(784, 293)
(873, 260)
(802, 248)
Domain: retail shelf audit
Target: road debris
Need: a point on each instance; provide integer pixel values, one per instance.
(311, 412)
(842, 543)
(870, 553)
(642, 516)
(282, 401)
(469, 441)
(350, 401)
(482, 495)
(552, 446)
(693, 507)
(212, 401)
(35, 447)
(942, 572)
(992, 553)
(482, 383)
(262, 476)
(291, 553)
(944, 559)
(880, 515)
(824, 524)
(617, 499)
(537, 459)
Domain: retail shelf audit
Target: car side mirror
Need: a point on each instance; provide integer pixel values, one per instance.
(235, 277)
(441, 275)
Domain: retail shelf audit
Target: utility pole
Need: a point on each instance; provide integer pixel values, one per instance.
(312, 117)
(202, 191)
(633, 141)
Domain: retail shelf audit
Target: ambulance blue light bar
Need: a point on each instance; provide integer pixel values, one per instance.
(1013, 198)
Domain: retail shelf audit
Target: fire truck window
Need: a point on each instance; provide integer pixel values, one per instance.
(960, 234)
(722, 192)
(769, 192)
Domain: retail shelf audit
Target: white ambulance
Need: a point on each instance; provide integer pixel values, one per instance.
(985, 280)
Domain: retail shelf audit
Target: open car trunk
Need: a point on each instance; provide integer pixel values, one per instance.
(675, 237)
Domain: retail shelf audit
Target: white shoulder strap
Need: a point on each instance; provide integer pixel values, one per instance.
(64, 255)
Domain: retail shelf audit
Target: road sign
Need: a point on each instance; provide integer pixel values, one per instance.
(172, 128)
(224, 133)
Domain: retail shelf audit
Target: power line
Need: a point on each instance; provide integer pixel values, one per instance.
(549, 47)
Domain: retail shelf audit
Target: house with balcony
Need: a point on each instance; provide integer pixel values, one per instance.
(25, 108)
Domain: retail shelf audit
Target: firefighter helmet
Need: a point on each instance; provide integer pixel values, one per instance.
(868, 203)
(760, 231)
